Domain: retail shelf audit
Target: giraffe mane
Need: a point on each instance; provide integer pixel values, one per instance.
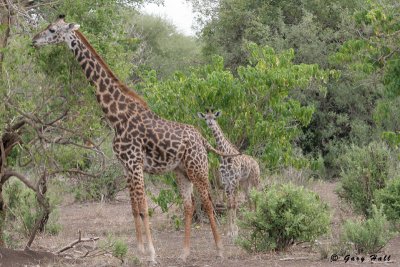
(225, 137)
(124, 88)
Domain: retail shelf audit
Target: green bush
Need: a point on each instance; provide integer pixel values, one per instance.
(266, 128)
(368, 236)
(167, 196)
(104, 187)
(22, 207)
(119, 249)
(284, 214)
(23, 210)
(364, 170)
(389, 199)
(53, 228)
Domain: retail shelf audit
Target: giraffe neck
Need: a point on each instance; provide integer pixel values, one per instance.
(222, 143)
(113, 96)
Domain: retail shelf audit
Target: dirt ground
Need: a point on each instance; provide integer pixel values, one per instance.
(105, 219)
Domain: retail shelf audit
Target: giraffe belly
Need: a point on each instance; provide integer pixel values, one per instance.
(154, 166)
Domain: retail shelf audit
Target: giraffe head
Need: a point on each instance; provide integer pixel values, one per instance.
(57, 32)
(210, 116)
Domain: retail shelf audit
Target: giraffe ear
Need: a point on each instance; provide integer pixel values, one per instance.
(201, 115)
(217, 114)
(73, 26)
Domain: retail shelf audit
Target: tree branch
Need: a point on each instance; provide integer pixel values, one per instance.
(22, 178)
(79, 240)
(45, 212)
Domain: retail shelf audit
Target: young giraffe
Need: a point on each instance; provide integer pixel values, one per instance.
(243, 169)
(143, 141)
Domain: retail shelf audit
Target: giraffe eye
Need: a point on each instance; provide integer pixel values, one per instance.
(52, 30)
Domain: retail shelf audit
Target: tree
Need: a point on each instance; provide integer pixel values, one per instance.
(160, 46)
(50, 124)
(262, 118)
(302, 25)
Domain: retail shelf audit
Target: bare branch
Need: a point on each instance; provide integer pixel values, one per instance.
(9, 104)
(62, 116)
(79, 240)
(22, 178)
(294, 259)
(76, 171)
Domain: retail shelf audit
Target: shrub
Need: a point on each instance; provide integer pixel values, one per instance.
(364, 170)
(106, 186)
(117, 247)
(368, 236)
(284, 214)
(119, 250)
(53, 228)
(22, 207)
(389, 199)
(166, 196)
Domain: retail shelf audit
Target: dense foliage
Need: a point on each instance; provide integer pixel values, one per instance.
(356, 37)
(364, 170)
(262, 117)
(160, 46)
(48, 106)
(389, 199)
(313, 28)
(368, 236)
(284, 214)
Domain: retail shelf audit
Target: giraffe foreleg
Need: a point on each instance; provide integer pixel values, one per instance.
(144, 213)
(140, 211)
(186, 190)
(137, 219)
(232, 227)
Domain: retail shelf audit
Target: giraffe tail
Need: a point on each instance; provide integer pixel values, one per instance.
(212, 149)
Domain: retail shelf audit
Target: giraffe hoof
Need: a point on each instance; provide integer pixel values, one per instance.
(184, 255)
(152, 263)
(183, 258)
(141, 249)
(233, 234)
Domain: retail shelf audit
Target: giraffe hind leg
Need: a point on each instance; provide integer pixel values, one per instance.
(186, 189)
(200, 180)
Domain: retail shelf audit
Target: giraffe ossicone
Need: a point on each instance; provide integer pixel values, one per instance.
(143, 141)
(242, 170)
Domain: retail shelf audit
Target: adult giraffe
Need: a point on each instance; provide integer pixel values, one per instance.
(143, 141)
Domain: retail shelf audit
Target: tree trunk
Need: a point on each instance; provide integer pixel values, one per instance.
(8, 140)
(4, 34)
(4, 29)
(46, 212)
